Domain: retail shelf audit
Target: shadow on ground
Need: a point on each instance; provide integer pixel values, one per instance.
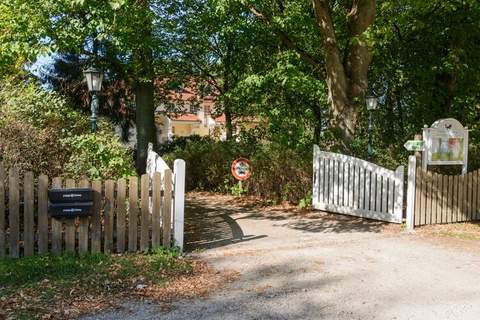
(212, 222)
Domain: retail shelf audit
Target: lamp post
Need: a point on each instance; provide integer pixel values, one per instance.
(371, 102)
(94, 81)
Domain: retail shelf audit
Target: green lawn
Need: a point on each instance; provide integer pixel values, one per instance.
(60, 286)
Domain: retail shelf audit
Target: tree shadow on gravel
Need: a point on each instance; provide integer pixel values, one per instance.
(212, 225)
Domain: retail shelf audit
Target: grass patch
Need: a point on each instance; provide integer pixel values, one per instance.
(459, 235)
(63, 286)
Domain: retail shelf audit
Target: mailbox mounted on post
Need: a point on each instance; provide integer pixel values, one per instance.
(65, 203)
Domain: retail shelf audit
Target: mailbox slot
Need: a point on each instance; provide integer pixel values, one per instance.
(66, 210)
(70, 195)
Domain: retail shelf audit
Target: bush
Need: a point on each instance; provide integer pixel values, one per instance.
(41, 132)
(97, 156)
(278, 173)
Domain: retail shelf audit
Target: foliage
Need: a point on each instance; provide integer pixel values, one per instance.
(97, 157)
(40, 132)
(36, 287)
(278, 173)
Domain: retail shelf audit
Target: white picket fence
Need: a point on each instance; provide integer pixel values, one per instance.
(155, 163)
(348, 185)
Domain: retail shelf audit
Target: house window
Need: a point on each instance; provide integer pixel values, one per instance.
(194, 108)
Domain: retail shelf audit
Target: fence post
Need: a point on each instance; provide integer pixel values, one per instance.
(179, 200)
(412, 166)
(398, 204)
(316, 176)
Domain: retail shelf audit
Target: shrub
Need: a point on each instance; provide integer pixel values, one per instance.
(97, 156)
(41, 132)
(278, 173)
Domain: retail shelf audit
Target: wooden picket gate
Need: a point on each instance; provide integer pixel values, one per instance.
(436, 198)
(129, 214)
(348, 185)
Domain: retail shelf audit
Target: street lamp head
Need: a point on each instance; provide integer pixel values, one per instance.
(94, 79)
(371, 102)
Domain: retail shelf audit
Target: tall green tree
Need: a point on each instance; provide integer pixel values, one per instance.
(120, 34)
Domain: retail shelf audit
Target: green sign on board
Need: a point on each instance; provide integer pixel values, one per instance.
(414, 145)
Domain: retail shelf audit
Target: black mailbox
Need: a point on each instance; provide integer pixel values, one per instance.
(64, 203)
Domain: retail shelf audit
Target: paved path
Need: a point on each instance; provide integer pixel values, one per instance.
(322, 267)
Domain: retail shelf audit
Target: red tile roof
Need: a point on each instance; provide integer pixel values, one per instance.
(184, 117)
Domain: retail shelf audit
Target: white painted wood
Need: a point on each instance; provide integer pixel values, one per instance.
(357, 187)
(316, 176)
(321, 192)
(351, 177)
(366, 205)
(341, 183)
(361, 194)
(331, 174)
(179, 202)
(373, 191)
(335, 182)
(399, 185)
(384, 194)
(411, 192)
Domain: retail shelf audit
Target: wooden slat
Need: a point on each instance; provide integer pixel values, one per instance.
(418, 194)
(335, 182)
(351, 184)
(384, 194)
(132, 213)
(465, 199)
(121, 214)
(356, 187)
(361, 194)
(423, 201)
(346, 180)
(109, 215)
(373, 191)
(56, 223)
(341, 183)
(457, 199)
(450, 208)
(435, 197)
(42, 214)
(156, 209)
(14, 212)
(145, 215)
(320, 179)
(459, 205)
(439, 198)
(324, 179)
(96, 232)
(445, 199)
(167, 209)
(469, 196)
(331, 174)
(84, 223)
(2, 211)
(391, 196)
(378, 195)
(70, 227)
(476, 194)
(28, 212)
(367, 190)
(428, 198)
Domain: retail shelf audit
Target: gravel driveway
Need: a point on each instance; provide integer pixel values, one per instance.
(321, 266)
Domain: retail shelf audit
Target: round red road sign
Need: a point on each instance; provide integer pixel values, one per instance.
(242, 169)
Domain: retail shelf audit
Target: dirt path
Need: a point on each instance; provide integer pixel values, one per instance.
(321, 266)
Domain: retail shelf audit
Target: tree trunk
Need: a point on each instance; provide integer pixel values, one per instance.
(144, 89)
(145, 122)
(347, 80)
